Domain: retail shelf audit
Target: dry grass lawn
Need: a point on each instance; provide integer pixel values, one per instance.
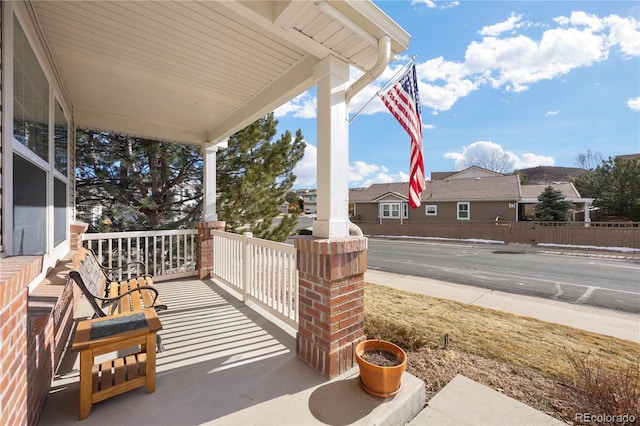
(557, 369)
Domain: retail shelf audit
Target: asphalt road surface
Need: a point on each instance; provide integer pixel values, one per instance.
(604, 283)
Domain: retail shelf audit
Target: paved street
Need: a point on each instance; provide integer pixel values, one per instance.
(610, 280)
(595, 281)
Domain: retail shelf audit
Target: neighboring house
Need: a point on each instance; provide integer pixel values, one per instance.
(472, 194)
(309, 202)
(530, 194)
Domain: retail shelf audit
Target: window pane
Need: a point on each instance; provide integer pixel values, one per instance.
(385, 210)
(395, 210)
(60, 211)
(30, 97)
(60, 137)
(29, 208)
(463, 211)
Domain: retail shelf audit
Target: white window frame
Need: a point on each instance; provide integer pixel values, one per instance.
(15, 13)
(468, 210)
(402, 209)
(435, 210)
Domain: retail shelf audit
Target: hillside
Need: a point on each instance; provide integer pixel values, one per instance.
(547, 174)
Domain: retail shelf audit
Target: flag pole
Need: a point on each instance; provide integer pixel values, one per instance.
(391, 82)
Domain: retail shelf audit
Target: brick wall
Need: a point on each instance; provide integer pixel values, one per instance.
(331, 285)
(50, 322)
(75, 235)
(1, 120)
(204, 247)
(15, 275)
(34, 330)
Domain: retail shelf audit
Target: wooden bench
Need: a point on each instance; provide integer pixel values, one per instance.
(109, 297)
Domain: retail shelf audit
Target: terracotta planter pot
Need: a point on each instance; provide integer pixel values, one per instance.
(376, 380)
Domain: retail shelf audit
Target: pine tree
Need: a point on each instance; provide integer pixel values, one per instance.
(140, 184)
(615, 186)
(552, 206)
(253, 176)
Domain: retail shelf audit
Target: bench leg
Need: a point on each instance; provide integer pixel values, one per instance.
(86, 388)
(151, 362)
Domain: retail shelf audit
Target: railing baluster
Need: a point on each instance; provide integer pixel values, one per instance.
(170, 252)
(163, 255)
(134, 246)
(155, 256)
(128, 258)
(110, 254)
(263, 271)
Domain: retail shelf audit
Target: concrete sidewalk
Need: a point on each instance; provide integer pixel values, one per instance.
(602, 321)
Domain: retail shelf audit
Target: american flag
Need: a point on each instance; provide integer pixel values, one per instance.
(403, 100)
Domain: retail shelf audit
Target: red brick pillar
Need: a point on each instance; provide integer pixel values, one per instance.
(204, 248)
(15, 275)
(331, 318)
(77, 229)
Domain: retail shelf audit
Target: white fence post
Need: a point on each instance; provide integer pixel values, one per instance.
(246, 265)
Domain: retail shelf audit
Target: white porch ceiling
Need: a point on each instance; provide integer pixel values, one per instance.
(197, 71)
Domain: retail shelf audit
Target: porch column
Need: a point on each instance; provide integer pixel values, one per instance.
(76, 231)
(204, 247)
(331, 301)
(332, 217)
(587, 218)
(209, 180)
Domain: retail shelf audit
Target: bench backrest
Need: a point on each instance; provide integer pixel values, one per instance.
(90, 278)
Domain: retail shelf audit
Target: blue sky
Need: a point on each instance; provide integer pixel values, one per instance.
(540, 81)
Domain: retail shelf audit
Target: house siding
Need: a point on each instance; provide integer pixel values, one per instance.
(490, 210)
(367, 212)
(1, 144)
(447, 211)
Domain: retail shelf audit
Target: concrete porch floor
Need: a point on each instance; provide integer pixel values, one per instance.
(224, 363)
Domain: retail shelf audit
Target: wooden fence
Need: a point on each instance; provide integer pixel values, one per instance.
(599, 234)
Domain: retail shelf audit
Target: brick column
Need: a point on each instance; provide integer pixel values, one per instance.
(204, 247)
(77, 229)
(15, 275)
(331, 318)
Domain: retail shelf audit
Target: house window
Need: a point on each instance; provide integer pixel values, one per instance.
(40, 160)
(59, 211)
(463, 211)
(392, 210)
(431, 210)
(60, 139)
(29, 208)
(30, 97)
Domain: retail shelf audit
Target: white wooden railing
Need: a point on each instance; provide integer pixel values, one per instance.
(165, 254)
(263, 271)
